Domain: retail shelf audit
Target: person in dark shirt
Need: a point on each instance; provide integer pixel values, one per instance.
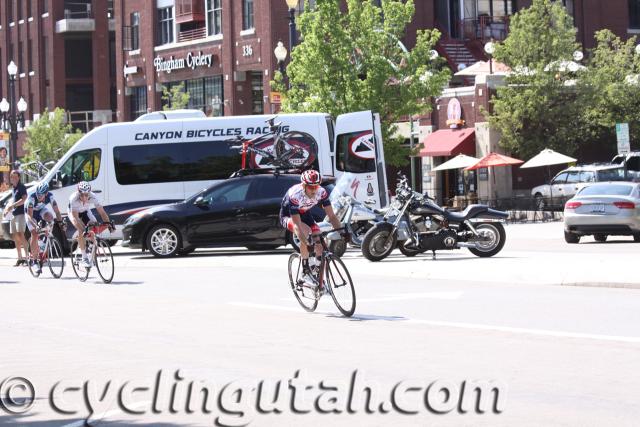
(15, 209)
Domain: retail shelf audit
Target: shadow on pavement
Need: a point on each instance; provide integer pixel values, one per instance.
(239, 252)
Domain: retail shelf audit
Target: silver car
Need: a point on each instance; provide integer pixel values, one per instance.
(567, 183)
(603, 209)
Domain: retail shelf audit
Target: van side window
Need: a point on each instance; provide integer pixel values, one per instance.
(331, 131)
(183, 161)
(356, 152)
(81, 166)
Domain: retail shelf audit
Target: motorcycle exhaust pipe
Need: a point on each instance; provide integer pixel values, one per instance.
(466, 245)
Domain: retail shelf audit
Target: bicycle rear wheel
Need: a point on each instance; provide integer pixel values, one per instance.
(76, 262)
(104, 261)
(55, 259)
(339, 283)
(304, 294)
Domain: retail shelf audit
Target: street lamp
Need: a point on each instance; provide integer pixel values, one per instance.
(292, 4)
(281, 55)
(490, 48)
(11, 119)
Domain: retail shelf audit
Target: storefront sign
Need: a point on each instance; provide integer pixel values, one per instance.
(191, 61)
(130, 70)
(454, 114)
(275, 98)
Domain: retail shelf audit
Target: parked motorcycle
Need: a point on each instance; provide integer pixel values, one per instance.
(421, 225)
(355, 216)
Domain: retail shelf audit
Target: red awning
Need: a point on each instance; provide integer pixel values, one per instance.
(449, 142)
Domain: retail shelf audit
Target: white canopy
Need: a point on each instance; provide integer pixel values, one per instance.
(461, 161)
(547, 157)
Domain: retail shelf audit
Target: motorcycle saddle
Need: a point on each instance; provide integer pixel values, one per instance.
(470, 212)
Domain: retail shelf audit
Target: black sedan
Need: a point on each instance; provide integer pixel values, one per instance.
(240, 211)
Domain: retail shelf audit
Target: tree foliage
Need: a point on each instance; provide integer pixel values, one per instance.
(175, 98)
(351, 60)
(50, 135)
(610, 88)
(539, 105)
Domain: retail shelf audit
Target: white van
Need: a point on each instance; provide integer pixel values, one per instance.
(136, 165)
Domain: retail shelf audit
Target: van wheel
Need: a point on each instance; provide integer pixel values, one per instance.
(163, 241)
(600, 238)
(636, 237)
(570, 237)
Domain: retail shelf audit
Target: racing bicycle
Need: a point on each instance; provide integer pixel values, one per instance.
(98, 251)
(332, 277)
(289, 150)
(50, 251)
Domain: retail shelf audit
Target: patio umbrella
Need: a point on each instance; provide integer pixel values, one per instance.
(547, 157)
(461, 161)
(492, 160)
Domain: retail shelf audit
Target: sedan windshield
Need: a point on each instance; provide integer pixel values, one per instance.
(607, 190)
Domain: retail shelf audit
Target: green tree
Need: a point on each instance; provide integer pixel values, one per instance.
(611, 88)
(175, 98)
(351, 60)
(539, 105)
(50, 135)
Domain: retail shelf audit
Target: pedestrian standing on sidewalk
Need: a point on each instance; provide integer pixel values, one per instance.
(16, 210)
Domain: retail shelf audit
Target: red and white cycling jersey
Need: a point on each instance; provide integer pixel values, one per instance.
(296, 201)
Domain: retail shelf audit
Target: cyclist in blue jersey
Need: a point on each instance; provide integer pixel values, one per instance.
(40, 206)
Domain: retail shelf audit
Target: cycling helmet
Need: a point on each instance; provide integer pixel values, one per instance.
(311, 177)
(42, 189)
(84, 187)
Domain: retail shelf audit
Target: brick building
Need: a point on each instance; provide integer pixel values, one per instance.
(220, 50)
(64, 50)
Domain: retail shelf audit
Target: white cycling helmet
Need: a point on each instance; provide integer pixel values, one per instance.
(84, 187)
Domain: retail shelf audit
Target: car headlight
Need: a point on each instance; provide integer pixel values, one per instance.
(136, 217)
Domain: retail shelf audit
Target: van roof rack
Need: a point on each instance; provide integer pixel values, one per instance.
(172, 115)
(261, 171)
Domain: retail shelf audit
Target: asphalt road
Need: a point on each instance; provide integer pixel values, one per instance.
(555, 327)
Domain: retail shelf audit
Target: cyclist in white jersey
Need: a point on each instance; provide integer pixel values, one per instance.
(80, 204)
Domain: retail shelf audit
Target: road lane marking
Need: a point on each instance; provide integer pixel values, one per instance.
(430, 295)
(463, 325)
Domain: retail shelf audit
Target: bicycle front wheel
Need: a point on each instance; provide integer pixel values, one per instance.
(104, 261)
(79, 270)
(55, 258)
(305, 295)
(338, 281)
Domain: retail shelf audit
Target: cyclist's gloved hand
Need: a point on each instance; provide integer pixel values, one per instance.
(112, 227)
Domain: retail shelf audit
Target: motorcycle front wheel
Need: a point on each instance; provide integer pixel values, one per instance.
(492, 239)
(379, 242)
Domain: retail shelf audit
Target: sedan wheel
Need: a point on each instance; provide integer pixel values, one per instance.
(163, 241)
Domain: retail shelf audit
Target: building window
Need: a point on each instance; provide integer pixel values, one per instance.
(138, 101)
(205, 94)
(44, 6)
(247, 14)
(257, 92)
(19, 8)
(165, 25)
(135, 30)
(634, 14)
(214, 17)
